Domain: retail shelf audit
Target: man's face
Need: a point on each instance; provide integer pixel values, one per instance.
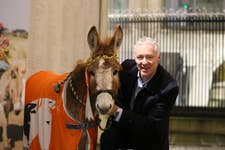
(147, 60)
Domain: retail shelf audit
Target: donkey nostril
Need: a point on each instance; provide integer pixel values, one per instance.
(104, 110)
(17, 112)
(97, 106)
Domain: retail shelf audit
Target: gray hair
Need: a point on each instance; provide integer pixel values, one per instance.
(147, 41)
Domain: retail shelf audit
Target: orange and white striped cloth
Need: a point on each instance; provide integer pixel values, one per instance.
(45, 116)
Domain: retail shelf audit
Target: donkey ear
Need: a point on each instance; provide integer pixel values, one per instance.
(118, 37)
(93, 39)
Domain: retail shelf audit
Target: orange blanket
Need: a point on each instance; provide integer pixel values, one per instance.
(45, 116)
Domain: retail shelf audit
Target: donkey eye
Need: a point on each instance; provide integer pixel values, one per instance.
(115, 72)
(92, 73)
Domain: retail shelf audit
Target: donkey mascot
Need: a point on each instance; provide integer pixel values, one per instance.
(61, 111)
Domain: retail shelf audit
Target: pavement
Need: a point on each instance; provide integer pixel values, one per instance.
(176, 147)
(195, 141)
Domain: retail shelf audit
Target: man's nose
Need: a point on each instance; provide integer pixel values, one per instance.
(145, 60)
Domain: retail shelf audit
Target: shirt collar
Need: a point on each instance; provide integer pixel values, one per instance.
(140, 83)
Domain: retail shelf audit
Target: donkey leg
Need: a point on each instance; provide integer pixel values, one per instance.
(3, 122)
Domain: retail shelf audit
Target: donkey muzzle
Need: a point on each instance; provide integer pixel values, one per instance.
(104, 101)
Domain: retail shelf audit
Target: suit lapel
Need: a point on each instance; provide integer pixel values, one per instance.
(153, 84)
(131, 80)
(148, 92)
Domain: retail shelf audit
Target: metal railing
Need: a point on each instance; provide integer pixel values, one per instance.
(192, 49)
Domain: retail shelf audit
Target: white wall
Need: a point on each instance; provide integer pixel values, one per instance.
(58, 32)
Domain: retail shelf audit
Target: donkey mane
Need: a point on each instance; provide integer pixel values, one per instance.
(78, 77)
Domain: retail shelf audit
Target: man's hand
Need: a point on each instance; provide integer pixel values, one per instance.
(114, 109)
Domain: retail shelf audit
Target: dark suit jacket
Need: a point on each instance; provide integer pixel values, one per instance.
(148, 122)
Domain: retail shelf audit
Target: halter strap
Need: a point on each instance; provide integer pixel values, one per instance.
(84, 125)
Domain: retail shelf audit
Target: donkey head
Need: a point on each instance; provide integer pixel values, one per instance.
(103, 68)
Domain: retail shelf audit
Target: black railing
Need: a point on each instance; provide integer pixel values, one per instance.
(192, 49)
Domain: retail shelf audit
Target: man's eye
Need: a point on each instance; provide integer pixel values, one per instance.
(148, 57)
(139, 57)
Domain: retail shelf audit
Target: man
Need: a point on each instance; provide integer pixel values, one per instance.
(146, 97)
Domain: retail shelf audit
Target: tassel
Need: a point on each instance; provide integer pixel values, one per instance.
(56, 87)
(84, 142)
